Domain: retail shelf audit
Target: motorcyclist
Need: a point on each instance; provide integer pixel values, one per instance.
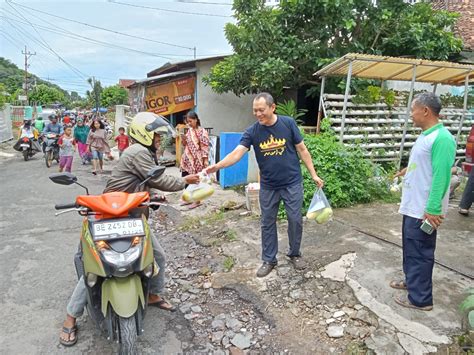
(145, 132)
(39, 124)
(28, 130)
(53, 127)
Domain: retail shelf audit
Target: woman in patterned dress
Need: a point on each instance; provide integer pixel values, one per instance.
(196, 148)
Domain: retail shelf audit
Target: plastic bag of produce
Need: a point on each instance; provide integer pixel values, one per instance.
(199, 192)
(319, 209)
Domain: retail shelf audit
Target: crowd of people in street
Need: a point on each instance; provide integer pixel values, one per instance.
(89, 135)
(279, 146)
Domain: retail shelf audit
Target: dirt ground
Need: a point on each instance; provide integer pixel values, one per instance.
(340, 304)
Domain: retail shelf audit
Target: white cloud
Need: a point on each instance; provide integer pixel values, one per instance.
(206, 33)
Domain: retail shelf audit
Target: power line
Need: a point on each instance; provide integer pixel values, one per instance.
(26, 37)
(103, 28)
(63, 32)
(12, 41)
(167, 10)
(204, 2)
(74, 69)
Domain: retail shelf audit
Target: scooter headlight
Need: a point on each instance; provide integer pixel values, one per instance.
(122, 259)
(91, 279)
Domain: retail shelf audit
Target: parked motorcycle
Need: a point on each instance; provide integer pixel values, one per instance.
(115, 258)
(51, 151)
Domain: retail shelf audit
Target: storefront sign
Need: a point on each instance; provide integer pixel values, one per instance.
(171, 97)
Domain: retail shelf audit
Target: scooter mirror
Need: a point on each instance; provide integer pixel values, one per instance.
(63, 178)
(156, 171)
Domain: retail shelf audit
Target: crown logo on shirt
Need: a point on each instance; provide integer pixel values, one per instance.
(272, 143)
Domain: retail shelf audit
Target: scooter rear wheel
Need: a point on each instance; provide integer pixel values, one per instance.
(128, 335)
(25, 155)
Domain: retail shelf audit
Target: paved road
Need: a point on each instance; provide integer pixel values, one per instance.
(37, 274)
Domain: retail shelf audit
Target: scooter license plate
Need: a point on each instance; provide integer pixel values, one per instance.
(118, 228)
(24, 145)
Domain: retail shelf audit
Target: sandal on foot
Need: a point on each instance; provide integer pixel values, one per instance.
(194, 205)
(161, 305)
(463, 211)
(399, 285)
(405, 302)
(69, 331)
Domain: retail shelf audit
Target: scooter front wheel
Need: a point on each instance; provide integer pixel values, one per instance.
(48, 157)
(128, 335)
(25, 155)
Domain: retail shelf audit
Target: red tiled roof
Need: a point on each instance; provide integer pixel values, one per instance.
(125, 83)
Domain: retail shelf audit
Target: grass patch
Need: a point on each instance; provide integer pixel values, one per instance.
(231, 235)
(229, 263)
(196, 222)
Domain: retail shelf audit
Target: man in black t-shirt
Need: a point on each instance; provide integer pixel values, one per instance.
(277, 142)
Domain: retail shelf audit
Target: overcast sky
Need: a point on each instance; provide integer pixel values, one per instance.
(20, 27)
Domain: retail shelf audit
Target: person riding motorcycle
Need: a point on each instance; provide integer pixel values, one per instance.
(52, 127)
(145, 132)
(39, 124)
(29, 131)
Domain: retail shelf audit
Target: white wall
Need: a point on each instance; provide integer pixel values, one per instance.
(222, 112)
(405, 86)
(5, 124)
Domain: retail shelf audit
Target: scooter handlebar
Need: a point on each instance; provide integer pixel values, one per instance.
(63, 206)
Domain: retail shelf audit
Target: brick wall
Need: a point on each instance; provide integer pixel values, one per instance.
(465, 25)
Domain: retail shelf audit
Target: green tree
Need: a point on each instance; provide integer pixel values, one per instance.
(3, 95)
(93, 96)
(74, 96)
(44, 95)
(284, 46)
(113, 95)
(13, 78)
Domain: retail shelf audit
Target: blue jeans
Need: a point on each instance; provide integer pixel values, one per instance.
(97, 155)
(292, 198)
(78, 300)
(468, 194)
(418, 261)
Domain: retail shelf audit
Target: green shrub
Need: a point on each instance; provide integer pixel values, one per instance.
(349, 177)
(289, 108)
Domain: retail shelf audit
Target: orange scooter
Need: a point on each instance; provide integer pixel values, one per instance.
(115, 258)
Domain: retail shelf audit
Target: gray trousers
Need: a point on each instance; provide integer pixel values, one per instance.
(78, 300)
(292, 197)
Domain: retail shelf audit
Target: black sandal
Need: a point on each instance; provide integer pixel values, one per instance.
(160, 304)
(69, 331)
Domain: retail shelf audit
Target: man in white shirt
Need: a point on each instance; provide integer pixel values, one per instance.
(425, 197)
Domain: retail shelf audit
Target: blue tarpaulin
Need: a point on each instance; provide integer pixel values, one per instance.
(237, 173)
(101, 110)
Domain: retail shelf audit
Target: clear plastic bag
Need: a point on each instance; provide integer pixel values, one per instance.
(199, 192)
(319, 209)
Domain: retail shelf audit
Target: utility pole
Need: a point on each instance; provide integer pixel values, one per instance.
(27, 56)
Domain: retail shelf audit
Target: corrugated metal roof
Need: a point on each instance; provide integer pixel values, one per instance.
(191, 62)
(164, 76)
(396, 68)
